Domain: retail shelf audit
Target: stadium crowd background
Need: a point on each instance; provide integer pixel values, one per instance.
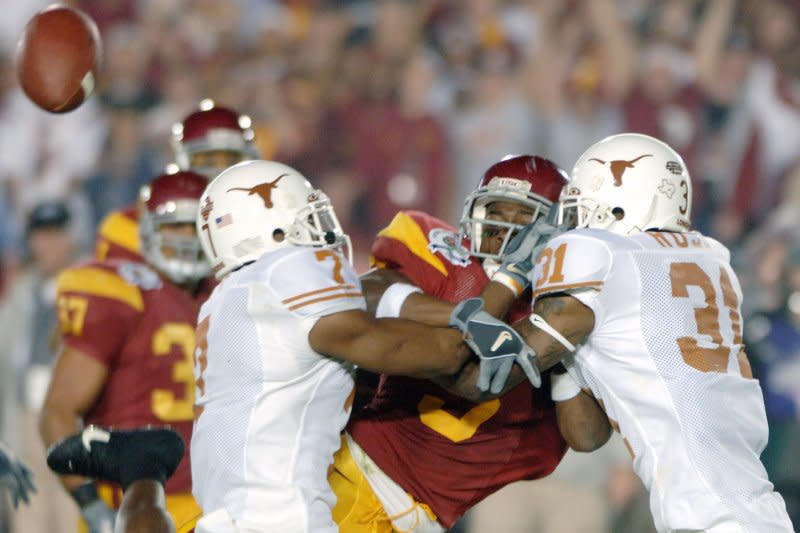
(392, 104)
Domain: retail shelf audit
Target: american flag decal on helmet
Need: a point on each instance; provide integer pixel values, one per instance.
(224, 220)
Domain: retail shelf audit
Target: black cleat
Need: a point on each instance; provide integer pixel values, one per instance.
(120, 456)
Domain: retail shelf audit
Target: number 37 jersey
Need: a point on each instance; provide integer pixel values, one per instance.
(141, 328)
(665, 359)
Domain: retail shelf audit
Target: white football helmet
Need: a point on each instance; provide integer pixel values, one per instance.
(255, 207)
(628, 183)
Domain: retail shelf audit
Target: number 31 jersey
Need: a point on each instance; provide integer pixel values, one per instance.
(270, 408)
(664, 360)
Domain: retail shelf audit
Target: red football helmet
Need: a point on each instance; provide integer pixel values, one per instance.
(173, 200)
(532, 181)
(213, 129)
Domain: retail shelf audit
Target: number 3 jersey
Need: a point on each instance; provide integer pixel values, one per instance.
(446, 451)
(271, 409)
(141, 328)
(663, 359)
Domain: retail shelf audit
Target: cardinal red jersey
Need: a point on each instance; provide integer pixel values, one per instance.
(448, 452)
(118, 236)
(142, 328)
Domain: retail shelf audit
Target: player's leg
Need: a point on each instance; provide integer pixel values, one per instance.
(138, 460)
(143, 509)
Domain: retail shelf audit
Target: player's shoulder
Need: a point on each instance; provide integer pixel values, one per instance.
(576, 260)
(298, 266)
(597, 238)
(691, 241)
(415, 236)
(716, 247)
(307, 281)
(121, 281)
(411, 220)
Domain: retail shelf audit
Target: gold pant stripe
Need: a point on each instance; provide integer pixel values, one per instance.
(358, 509)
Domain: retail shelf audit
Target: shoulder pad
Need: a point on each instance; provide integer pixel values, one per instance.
(310, 281)
(121, 228)
(576, 260)
(105, 280)
(426, 237)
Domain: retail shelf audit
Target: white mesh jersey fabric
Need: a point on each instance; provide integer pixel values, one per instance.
(272, 408)
(696, 435)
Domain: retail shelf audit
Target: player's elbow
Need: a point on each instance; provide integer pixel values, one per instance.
(588, 437)
(583, 424)
(583, 442)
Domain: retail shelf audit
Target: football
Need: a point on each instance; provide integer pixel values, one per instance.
(58, 58)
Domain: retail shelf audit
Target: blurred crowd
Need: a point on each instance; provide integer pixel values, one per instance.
(393, 104)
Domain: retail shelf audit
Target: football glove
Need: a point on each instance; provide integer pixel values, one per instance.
(496, 343)
(98, 516)
(521, 253)
(15, 476)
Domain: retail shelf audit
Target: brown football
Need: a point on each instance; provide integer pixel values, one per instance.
(58, 58)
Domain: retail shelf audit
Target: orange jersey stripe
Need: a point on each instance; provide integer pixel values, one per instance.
(568, 286)
(326, 298)
(318, 291)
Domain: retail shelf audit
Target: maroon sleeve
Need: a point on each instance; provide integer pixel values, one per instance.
(98, 326)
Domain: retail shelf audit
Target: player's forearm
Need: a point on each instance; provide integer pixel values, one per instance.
(426, 309)
(57, 422)
(389, 345)
(568, 317)
(404, 347)
(417, 306)
(583, 424)
(497, 299)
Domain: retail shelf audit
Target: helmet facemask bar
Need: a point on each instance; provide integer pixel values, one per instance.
(185, 261)
(577, 211)
(316, 225)
(475, 224)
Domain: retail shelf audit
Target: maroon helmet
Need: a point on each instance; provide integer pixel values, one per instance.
(212, 128)
(529, 180)
(172, 199)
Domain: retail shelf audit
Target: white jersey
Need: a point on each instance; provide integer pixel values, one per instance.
(663, 360)
(272, 409)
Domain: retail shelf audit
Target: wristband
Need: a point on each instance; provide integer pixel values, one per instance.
(563, 387)
(85, 494)
(393, 298)
(509, 281)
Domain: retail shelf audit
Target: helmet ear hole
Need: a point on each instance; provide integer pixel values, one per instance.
(618, 213)
(278, 235)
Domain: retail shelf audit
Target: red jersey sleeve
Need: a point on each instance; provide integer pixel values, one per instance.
(422, 248)
(97, 310)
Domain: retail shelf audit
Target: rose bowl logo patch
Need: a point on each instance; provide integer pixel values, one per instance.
(446, 244)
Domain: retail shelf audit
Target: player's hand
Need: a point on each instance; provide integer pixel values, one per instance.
(496, 343)
(521, 254)
(15, 476)
(99, 517)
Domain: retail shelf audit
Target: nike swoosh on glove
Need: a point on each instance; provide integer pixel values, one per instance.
(496, 343)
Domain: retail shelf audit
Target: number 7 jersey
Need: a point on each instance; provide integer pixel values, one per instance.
(664, 360)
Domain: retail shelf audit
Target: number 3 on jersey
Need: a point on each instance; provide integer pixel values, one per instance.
(167, 405)
(704, 358)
